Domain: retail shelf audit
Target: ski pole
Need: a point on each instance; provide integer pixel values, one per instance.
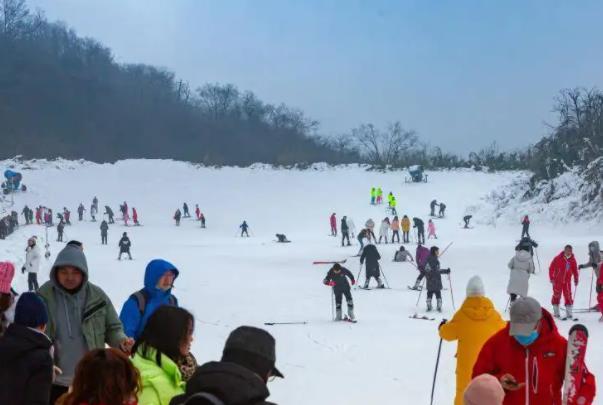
(435, 373)
(451, 293)
(358, 276)
(537, 259)
(445, 249)
(420, 292)
(384, 277)
(508, 302)
(332, 304)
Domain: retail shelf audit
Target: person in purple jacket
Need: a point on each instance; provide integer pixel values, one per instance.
(421, 256)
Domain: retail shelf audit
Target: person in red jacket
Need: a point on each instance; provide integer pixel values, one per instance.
(561, 270)
(528, 358)
(197, 212)
(600, 292)
(333, 221)
(135, 216)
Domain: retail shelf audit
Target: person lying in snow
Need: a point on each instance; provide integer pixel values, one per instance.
(282, 238)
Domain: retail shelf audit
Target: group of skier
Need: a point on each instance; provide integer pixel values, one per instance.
(185, 213)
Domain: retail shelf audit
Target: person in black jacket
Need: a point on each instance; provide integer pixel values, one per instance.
(110, 214)
(433, 205)
(337, 277)
(26, 367)
(104, 228)
(60, 229)
(345, 231)
(433, 274)
(420, 225)
(124, 246)
(372, 257)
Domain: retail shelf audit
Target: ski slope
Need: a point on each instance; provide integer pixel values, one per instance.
(227, 281)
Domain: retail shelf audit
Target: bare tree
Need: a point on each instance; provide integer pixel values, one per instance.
(387, 147)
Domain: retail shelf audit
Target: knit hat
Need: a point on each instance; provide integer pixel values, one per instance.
(255, 347)
(31, 311)
(484, 390)
(475, 287)
(7, 272)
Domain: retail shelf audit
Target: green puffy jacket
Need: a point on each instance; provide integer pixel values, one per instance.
(159, 383)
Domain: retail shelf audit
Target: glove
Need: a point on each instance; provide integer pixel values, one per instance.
(331, 283)
(442, 323)
(444, 271)
(23, 270)
(353, 282)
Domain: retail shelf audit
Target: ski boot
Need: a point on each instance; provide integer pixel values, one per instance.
(366, 284)
(556, 312)
(569, 312)
(439, 305)
(351, 316)
(338, 314)
(417, 286)
(429, 307)
(380, 283)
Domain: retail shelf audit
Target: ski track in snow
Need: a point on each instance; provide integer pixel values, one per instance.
(227, 281)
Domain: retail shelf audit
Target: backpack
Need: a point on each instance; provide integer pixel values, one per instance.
(142, 296)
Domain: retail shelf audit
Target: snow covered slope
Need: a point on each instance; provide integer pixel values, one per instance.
(226, 281)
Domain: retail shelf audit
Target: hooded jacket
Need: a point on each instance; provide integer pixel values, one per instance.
(405, 224)
(32, 258)
(472, 325)
(78, 321)
(159, 383)
(562, 269)
(541, 365)
(521, 266)
(432, 274)
(229, 382)
(130, 315)
(25, 367)
(384, 228)
(371, 255)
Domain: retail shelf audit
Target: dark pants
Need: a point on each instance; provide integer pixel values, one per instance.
(348, 298)
(124, 251)
(437, 293)
(345, 235)
(466, 223)
(333, 231)
(361, 245)
(32, 281)
(525, 231)
(421, 275)
(103, 238)
(80, 216)
(60, 237)
(421, 236)
(111, 221)
(396, 234)
(244, 231)
(57, 391)
(405, 237)
(202, 223)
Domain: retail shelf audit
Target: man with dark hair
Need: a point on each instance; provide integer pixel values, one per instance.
(248, 363)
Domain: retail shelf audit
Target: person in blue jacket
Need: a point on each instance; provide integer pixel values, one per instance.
(158, 282)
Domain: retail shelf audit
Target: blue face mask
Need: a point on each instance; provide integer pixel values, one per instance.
(527, 340)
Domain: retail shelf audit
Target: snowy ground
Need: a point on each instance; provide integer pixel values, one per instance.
(227, 281)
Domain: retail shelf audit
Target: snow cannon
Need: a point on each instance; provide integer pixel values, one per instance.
(13, 181)
(416, 174)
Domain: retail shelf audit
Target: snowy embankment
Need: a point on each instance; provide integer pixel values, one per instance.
(226, 281)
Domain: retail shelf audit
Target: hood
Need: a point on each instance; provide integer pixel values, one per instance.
(523, 256)
(232, 383)
(70, 256)
(594, 251)
(155, 269)
(19, 340)
(478, 308)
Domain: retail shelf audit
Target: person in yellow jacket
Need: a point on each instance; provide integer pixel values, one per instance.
(472, 325)
(405, 229)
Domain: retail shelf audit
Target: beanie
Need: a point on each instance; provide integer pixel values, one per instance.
(475, 287)
(7, 272)
(30, 311)
(484, 390)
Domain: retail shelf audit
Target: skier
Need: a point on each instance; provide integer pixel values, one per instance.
(95, 203)
(594, 258)
(521, 266)
(333, 223)
(420, 225)
(202, 218)
(32, 263)
(373, 195)
(433, 205)
(93, 211)
(405, 229)
(135, 217)
(337, 278)
(389, 199)
(421, 256)
(525, 227)
(362, 235)
(472, 325)
(126, 217)
(109, 213)
(395, 227)
(383, 230)
(345, 231)
(244, 229)
(562, 269)
(528, 243)
(370, 224)
(186, 214)
(80, 212)
(25, 213)
(282, 238)
(392, 205)
(442, 212)
(528, 357)
(379, 196)
(31, 216)
(124, 209)
(39, 215)
(466, 219)
(67, 216)
(371, 255)
(403, 255)
(433, 274)
(104, 228)
(177, 216)
(197, 212)
(124, 246)
(431, 230)
(60, 228)
(60, 217)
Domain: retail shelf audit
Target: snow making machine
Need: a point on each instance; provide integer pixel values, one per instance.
(416, 175)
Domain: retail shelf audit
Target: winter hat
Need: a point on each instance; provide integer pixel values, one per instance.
(31, 311)
(484, 390)
(525, 313)
(252, 347)
(7, 272)
(71, 255)
(475, 287)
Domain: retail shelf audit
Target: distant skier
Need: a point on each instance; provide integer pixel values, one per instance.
(345, 231)
(80, 212)
(126, 217)
(39, 215)
(104, 228)
(389, 199)
(371, 255)
(95, 203)
(433, 274)
(202, 218)
(522, 267)
(351, 226)
(93, 212)
(177, 216)
(442, 212)
(421, 256)
(466, 219)
(562, 269)
(244, 229)
(124, 246)
(333, 223)
(185, 212)
(373, 195)
(60, 229)
(32, 263)
(405, 229)
(433, 205)
(384, 230)
(395, 227)
(420, 225)
(67, 216)
(109, 213)
(525, 227)
(337, 278)
(197, 212)
(135, 217)
(403, 255)
(379, 196)
(281, 238)
(392, 205)
(431, 230)
(25, 213)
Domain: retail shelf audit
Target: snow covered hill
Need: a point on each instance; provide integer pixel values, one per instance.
(226, 281)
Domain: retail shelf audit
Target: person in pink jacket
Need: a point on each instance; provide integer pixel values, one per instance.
(431, 230)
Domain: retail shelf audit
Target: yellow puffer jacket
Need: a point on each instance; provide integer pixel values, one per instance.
(405, 224)
(473, 324)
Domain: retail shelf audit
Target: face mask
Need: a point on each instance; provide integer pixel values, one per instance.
(527, 340)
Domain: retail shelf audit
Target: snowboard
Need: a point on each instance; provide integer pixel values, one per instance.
(574, 364)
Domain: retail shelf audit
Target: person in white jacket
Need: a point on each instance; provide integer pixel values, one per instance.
(384, 229)
(351, 227)
(521, 265)
(32, 263)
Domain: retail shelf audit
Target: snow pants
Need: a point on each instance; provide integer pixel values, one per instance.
(396, 234)
(32, 282)
(421, 235)
(348, 298)
(103, 238)
(525, 231)
(564, 288)
(244, 231)
(333, 230)
(405, 236)
(345, 235)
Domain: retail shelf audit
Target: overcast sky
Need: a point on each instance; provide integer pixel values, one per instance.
(461, 73)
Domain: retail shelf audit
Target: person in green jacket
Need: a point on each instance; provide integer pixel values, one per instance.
(373, 195)
(81, 316)
(165, 341)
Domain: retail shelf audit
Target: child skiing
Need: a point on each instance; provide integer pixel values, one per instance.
(124, 246)
(431, 230)
(371, 255)
(333, 223)
(525, 227)
(395, 227)
(433, 205)
(383, 230)
(197, 212)
(562, 269)
(202, 218)
(442, 212)
(60, 229)
(244, 229)
(373, 195)
(405, 229)
(337, 278)
(392, 205)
